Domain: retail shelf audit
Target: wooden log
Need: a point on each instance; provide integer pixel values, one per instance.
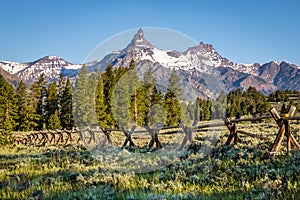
(53, 137)
(154, 137)
(188, 131)
(81, 136)
(232, 127)
(252, 135)
(106, 133)
(291, 111)
(274, 114)
(292, 118)
(60, 136)
(92, 136)
(294, 142)
(278, 140)
(288, 129)
(35, 136)
(69, 134)
(236, 137)
(44, 138)
(29, 138)
(128, 136)
(287, 134)
(284, 125)
(101, 144)
(229, 126)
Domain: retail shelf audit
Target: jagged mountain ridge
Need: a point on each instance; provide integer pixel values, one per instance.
(203, 59)
(51, 66)
(199, 67)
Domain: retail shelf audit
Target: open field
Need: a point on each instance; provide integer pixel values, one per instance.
(242, 171)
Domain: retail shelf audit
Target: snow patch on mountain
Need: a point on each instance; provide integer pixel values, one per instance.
(13, 67)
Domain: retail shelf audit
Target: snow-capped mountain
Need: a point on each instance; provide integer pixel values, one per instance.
(51, 66)
(13, 67)
(201, 68)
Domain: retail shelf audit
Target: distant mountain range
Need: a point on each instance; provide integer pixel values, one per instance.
(202, 69)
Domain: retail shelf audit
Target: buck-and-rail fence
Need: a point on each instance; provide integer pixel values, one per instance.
(59, 137)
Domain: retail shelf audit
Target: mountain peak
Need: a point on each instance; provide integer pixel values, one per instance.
(207, 47)
(139, 34)
(51, 57)
(140, 41)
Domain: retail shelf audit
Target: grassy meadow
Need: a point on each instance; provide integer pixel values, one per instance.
(241, 171)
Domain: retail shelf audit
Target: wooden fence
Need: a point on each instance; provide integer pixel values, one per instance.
(77, 136)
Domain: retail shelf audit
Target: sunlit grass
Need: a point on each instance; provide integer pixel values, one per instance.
(245, 170)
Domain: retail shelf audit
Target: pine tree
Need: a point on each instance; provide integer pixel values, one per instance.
(157, 111)
(172, 100)
(8, 110)
(66, 115)
(38, 97)
(52, 99)
(121, 101)
(25, 121)
(108, 86)
(54, 122)
(100, 103)
(84, 99)
(92, 84)
(60, 87)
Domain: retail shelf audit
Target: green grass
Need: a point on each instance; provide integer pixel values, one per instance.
(242, 171)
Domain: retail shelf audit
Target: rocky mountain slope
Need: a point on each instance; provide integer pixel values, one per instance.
(202, 69)
(51, 66)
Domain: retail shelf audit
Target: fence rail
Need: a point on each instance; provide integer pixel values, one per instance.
(78, 136)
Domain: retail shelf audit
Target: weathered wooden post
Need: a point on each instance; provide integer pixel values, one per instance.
(92, 136)
(154, 137)
(128, 136)
(233, 129)
(284, 130)
(81, 136)
(44, 138)
(188, 131)
(60, 137)
(106, 133)
(35, 136)
(69, 134)
(29, 138)
(53, 136)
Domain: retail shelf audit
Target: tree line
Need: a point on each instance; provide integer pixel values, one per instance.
(118, 97)
(42, 106)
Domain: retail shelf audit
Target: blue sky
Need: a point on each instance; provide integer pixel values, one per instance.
(242, 31)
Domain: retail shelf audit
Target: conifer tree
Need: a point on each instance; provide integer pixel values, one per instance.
(66, 115)
(52, 99)
(172, 100)
(38, 97)
(25, 121)
(121, 101)
(8, 109)
(54, 122)
(108, 86)
(84, 99)
(157, 111)
(60, 87)
(100, 103)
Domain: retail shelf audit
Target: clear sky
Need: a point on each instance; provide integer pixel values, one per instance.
(242, 31)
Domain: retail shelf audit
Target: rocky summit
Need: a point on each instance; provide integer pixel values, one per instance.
(203, 71)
